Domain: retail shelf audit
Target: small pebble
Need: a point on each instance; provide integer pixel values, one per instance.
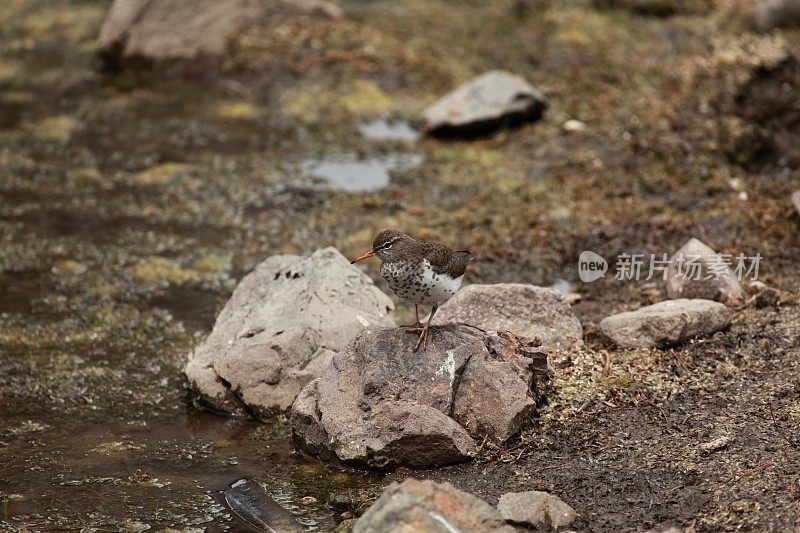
(716, 444)
(573, 126)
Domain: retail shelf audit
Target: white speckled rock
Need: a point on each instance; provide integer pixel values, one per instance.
(280, 329)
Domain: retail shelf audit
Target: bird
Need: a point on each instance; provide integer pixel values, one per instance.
(423, 273)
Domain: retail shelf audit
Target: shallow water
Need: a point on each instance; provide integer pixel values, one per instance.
(160, 473)
(384, 130)
(350, 173)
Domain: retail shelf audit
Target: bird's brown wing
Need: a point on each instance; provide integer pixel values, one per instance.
(443, 260)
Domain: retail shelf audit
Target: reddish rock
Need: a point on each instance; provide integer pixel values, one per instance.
(428, 507)
(379, 404)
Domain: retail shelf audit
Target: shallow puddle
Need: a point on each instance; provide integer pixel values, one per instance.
(18, 291)
(348, 173)
(195, 308)
(162, 473)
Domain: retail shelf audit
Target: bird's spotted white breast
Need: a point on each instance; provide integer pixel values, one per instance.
(420, 284)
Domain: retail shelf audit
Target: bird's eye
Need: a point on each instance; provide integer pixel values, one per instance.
(387, 246)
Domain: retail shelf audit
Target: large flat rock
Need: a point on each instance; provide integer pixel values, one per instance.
(378, 404)
(280, 329)
(524, 309)
(665, 323)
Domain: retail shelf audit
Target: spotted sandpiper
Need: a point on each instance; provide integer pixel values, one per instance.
(423, 273)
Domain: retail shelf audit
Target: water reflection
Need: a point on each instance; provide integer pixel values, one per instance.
(350, 174)
(383, 130)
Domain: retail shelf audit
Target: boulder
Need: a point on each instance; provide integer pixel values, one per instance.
(536, 509)
(173, 29)
(770, 14)
(665, 323)
(168, 30)
(524, 309)
(378, 404)
(280, 329)
(484, 104)
(428, 507)
(697, 271)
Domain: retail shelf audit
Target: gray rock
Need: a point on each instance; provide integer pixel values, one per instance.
(524, 309)
(163, 30)
(535, 508)
(697, 271)
(428, 507)
(665, 323)
(770, 14)
(484, 104)
(378, 404)
(796, 201)
(173, 29)
(280, 329)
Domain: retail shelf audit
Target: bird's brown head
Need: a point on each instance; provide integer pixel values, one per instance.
(388, 244)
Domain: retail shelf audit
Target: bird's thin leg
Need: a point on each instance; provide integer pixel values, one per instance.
(423, 337)
(416, 326)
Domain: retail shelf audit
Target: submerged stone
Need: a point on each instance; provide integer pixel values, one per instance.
(254, 506)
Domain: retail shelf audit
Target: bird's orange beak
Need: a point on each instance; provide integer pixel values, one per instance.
(363, 256)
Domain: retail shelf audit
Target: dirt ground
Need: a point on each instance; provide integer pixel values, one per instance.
(131, 202)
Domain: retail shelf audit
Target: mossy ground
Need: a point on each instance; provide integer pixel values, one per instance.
(132, 202)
